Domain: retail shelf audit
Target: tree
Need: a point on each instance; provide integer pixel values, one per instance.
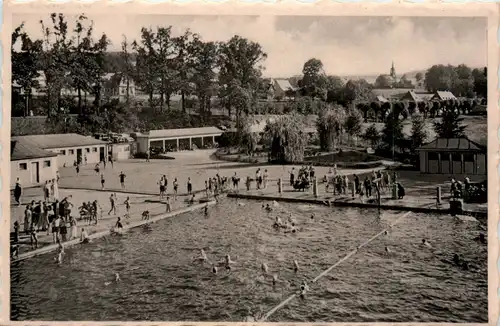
(55, 61)
(203, 65)
(126, 67)
(24, 63)
(353, 122)
(330, 125)
(239, 63)
(480, 84)
(183, 62)
(418, 132)
(440, 78)
(419, 77)
(372, 135)
(392, 134)
(314, 82)
(450, 125)
(148, 76)
(286, 139)
(357, 90)
(383, 81)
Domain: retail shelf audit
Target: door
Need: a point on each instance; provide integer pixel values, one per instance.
(79, 155)
(35, 172)
(102, 156)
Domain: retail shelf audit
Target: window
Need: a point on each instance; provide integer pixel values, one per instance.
(433, 156)
(87, 150)
(46, 164)
(62, 151)
(126, 148)
(456, 157)
(469, 158)
(23, 166)
(71, 152)
(94, 149)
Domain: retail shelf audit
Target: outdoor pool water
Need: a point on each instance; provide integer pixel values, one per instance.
(160, 282)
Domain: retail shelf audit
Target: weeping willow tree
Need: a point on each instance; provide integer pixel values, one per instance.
(286, 139)
(330, 125)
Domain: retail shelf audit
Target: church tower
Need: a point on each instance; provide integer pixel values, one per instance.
(393, 72)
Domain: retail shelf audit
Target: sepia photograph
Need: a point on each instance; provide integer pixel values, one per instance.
(248, 167)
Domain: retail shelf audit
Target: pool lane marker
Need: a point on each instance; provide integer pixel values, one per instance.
(291, 297)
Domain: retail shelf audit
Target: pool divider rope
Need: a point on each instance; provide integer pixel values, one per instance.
(329, 269)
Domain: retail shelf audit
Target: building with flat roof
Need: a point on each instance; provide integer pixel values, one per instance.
(31, 164)
(178, 139)
(453, 156)
(69, 147)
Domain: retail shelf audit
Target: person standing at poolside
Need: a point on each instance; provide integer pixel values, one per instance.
(189, 186)
(73, 226)
(176, 186)
(77, 169)
(122, 179)
(113, 205)
(162, 187)
(292, 176)
(127, 207)
(46, 191)
(17, 192)
(33, 238)
(97, 168)
(102, 181)
(27, 219)
(168, 205)
(266, 176)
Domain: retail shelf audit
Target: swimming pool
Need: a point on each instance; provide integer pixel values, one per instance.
(161, 282)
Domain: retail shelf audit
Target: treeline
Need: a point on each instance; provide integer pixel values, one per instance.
(159, 63)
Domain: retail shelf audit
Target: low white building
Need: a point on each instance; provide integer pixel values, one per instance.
(177, 139)
(31, 164)
(69, 147)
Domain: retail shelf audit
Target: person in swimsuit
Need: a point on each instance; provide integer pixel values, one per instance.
(127, 207)
(118, 224)
(113, 205)
(102, 181)
(176, 186)
(189, 186)
(168, 206)
(122, 179)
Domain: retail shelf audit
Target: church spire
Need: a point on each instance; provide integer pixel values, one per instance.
(393, 71)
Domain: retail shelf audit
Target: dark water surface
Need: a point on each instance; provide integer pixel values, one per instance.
(160, 281)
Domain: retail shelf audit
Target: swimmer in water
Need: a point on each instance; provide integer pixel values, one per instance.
(312, 216)
(268, 208)
(481, 238)
(203, 257)
(59, 256)
(292, 229)
(214, 269)
(426, 243)
(386, 232)
(275, 279)
(303, 289)
(264, 268)
(228, 262)
(388, 250)
(117, 277)
(295, 266)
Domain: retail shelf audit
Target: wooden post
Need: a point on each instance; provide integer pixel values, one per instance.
(438, 195)
(394, 190)
(280, 185)
(315, 187)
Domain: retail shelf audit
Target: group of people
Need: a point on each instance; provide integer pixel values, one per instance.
(467, 189)
(304, 174)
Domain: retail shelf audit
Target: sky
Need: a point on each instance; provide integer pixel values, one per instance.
(347, 46)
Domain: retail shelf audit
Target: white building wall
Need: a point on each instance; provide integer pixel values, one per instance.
(142, 144)
(25, 171)
(68, 155)
(121, 151)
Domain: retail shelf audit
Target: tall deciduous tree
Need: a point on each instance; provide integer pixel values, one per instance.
(330, 125)
(239, 63)
(392, 134)
(126, 67)
(450, 125)
(286, 139)
(203, 65)
(353, 123)
(418, 131)
(314, 80)
(148, 76)
(24, 63)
